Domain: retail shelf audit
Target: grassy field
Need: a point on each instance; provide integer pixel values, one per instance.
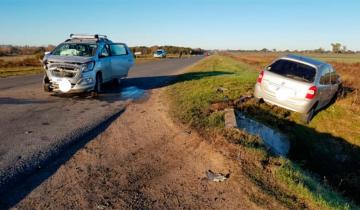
(19, 65)
(14, 71)
(343, 58)
(16, 57)
(324, 158)
(329, 57)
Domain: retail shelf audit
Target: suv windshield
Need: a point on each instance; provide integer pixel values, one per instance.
(293, 70)
(75, 49)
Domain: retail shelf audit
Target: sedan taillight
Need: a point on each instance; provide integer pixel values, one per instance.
(260, 77)
(311, 92)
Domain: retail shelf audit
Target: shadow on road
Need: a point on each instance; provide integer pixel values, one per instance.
(19, 187)
(17, 101)
(25, 183)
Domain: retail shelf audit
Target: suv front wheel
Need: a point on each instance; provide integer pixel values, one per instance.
(46, 84)
(98, 85)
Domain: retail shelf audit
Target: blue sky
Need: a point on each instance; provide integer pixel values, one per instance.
(209, 24)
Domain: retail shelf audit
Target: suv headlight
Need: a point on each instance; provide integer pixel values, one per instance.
(87, 66)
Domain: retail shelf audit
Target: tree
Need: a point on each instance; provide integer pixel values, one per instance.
(344, 49)
(336, 47)
(319, 50)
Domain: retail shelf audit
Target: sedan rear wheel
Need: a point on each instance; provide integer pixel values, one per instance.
(340, 92)
(308, 116)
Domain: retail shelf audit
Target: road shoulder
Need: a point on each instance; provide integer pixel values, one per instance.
(144, 160)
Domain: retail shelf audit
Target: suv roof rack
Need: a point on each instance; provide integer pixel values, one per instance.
(87, 36)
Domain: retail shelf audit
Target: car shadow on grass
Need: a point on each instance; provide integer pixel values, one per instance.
(14, 190)
(113, 92)
(333, 160)
(148, 83)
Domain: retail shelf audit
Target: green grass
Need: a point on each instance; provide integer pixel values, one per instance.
(13, 71)
(308, 188)
(197, 91)
(221, 79)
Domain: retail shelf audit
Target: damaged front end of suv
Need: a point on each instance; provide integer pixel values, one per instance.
(83, 63)
(68, 75)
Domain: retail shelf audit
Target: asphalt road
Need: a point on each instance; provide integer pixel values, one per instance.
(36, 127)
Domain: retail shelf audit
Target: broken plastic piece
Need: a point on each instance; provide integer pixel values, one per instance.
(216, 177)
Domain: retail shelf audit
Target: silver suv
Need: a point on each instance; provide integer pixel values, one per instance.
(299, 84)
(84, 62)
(160, 53)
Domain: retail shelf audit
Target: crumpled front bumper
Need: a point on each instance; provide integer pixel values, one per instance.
(83, 83)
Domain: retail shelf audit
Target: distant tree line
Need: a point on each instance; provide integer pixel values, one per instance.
(11, 50)
(36, 53)
(168, 48)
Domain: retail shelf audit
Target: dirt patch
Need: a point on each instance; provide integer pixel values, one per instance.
(144, 161)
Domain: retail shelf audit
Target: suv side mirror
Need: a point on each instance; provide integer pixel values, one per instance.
(47, 53)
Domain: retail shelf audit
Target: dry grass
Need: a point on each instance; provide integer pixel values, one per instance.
(348, 72)
(20, 61)
(14, 71)
(15, 57)
(20, 65)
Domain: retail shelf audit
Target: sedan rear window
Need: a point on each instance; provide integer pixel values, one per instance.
(293, 70)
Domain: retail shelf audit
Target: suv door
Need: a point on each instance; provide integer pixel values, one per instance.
(105, 66)
(325, 87)
(121, 60)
